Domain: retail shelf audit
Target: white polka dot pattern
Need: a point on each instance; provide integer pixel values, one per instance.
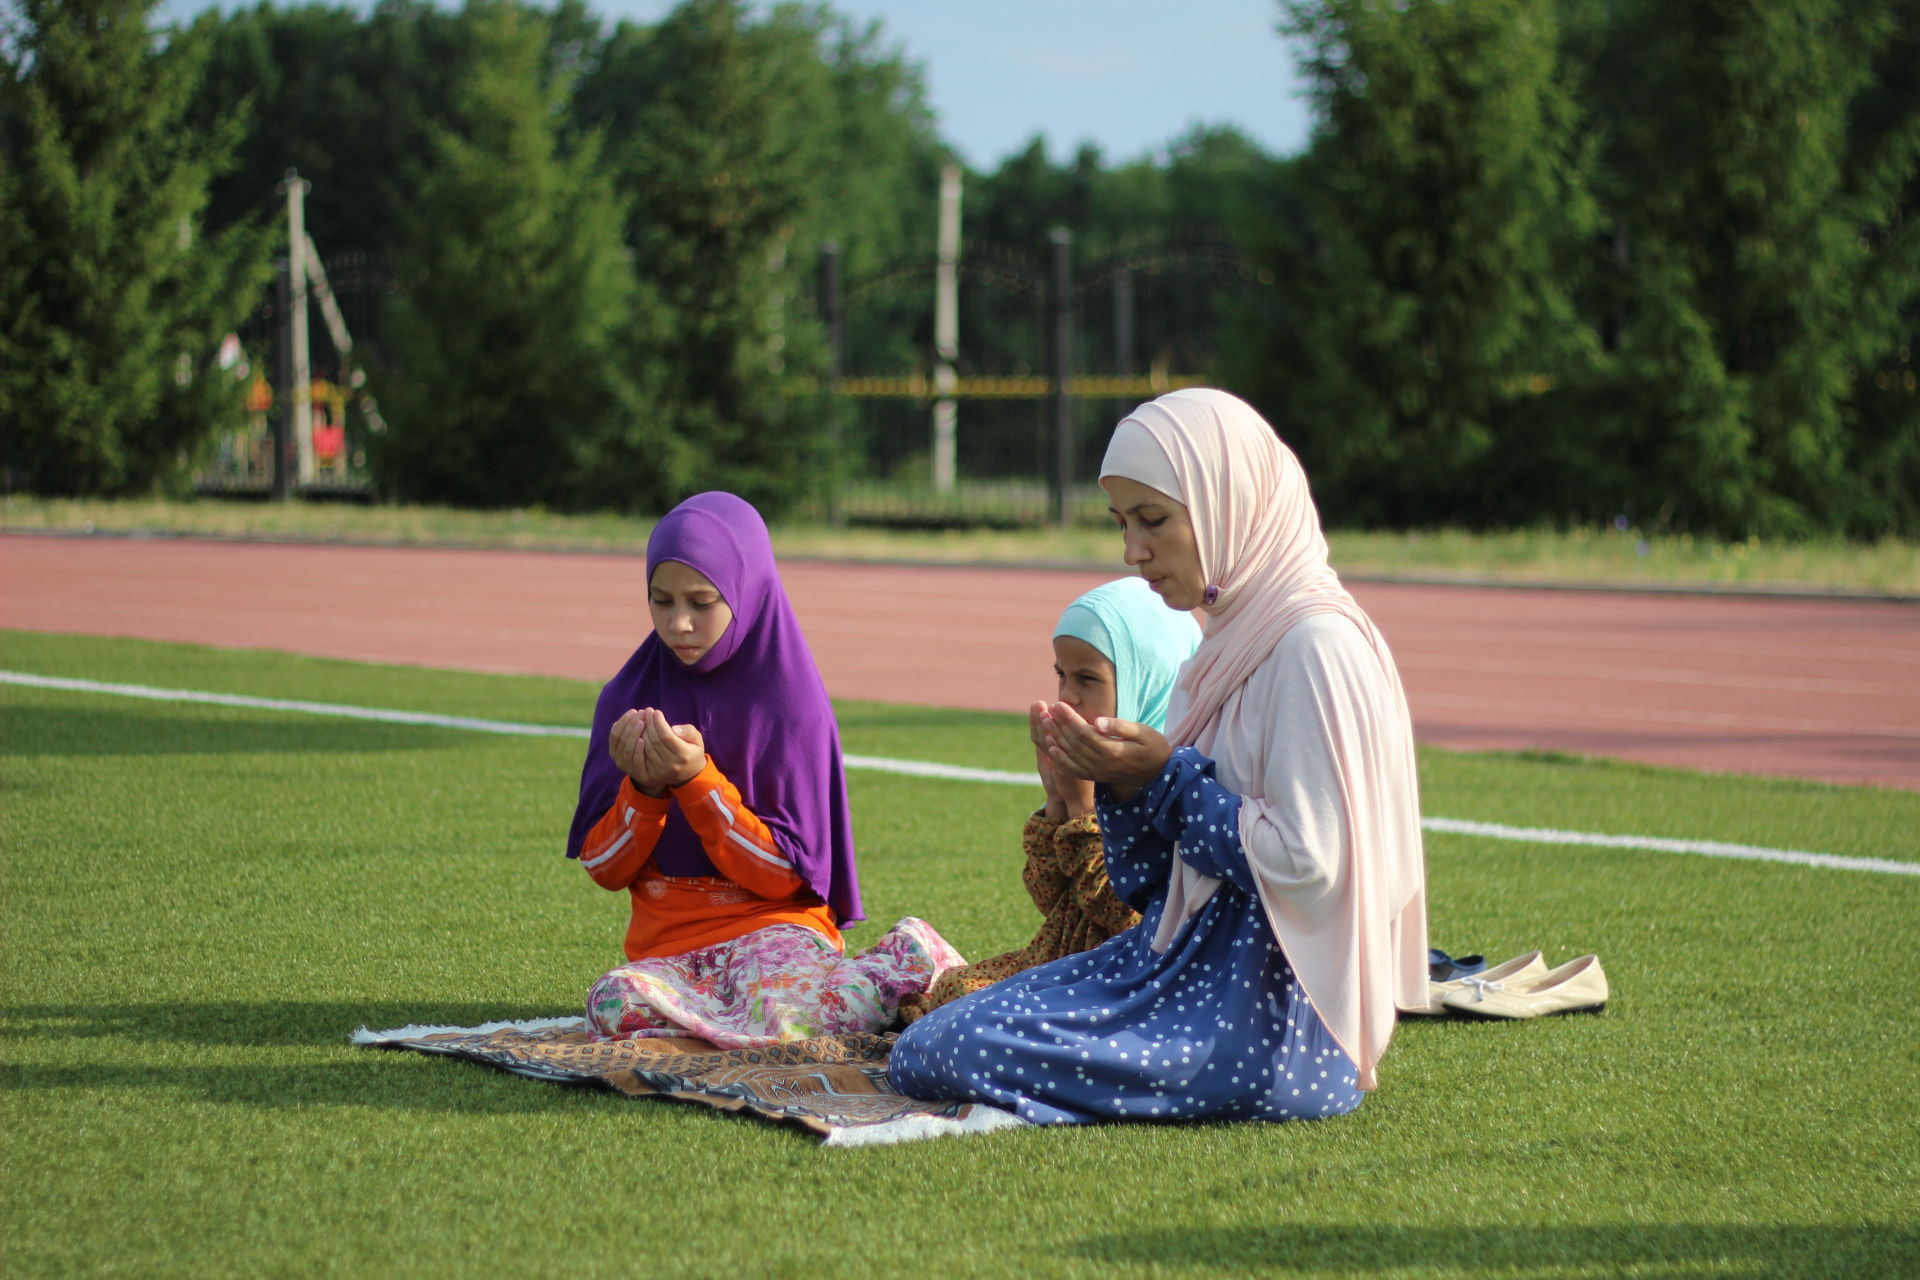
(1214, 1028)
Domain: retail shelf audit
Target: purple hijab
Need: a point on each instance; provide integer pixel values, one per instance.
(756, 696)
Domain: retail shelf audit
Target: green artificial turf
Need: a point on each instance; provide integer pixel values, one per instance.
(199, 903)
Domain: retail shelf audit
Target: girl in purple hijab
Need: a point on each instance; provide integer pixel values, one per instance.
(713, 793)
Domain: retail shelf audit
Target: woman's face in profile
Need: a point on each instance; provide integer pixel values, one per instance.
(1159, 541)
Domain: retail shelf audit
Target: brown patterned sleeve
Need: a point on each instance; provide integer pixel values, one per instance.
(1044, 880)
(1080, 855)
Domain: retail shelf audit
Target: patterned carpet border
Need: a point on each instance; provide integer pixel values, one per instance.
(835, 1086)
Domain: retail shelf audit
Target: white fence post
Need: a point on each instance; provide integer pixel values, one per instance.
(946, 330)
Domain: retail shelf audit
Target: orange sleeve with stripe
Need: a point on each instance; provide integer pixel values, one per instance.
(740, 846)
(619, 845)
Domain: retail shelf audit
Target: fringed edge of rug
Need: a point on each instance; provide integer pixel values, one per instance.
(363, 1036)
(979, 1119)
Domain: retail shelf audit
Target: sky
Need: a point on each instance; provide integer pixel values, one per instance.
(1129, 76)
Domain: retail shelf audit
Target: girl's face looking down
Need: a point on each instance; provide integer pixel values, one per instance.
(689, 614)
(1159, 541)
(1086, 678)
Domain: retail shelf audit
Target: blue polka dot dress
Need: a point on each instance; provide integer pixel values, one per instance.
(1214, 1028)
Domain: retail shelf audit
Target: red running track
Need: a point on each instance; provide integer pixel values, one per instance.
(1794, 687)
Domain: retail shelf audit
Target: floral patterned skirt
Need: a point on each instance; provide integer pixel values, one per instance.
(783, 982)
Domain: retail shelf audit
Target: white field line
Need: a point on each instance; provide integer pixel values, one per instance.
(960, 773)
(289, 704)
(1662, 844)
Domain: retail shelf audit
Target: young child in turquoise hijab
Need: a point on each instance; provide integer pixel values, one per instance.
(1117, 651)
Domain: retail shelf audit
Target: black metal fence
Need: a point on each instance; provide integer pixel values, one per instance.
(1050, 353)
(1049, 356)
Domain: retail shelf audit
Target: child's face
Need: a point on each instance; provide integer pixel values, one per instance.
(689, 614)
(1086, 678)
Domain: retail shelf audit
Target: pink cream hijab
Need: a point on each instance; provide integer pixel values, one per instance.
(1357, 943)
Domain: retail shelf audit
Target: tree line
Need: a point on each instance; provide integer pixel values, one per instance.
(1542, 261)
(1558, 260)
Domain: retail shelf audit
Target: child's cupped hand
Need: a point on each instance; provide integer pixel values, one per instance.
(1068, 795)
(1124, 755)
(623, 744)
(673, 753)
(1056, 809)
(655, 754)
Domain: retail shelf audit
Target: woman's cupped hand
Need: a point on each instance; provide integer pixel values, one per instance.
(1124, 755)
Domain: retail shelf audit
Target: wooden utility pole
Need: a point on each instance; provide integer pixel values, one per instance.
(283, 464)
(300, 402)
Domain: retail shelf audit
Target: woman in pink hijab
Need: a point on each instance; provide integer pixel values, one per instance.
(1270, 839)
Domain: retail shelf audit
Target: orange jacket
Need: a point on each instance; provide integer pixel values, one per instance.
(757, 885)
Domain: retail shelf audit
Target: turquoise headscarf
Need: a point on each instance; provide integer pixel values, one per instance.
(1144, 640)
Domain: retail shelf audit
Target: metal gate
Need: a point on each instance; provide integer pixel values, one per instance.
(1046, 358)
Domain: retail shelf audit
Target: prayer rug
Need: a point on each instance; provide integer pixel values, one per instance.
(833, 1086)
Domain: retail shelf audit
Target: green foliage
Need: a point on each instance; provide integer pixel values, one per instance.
(1430, 329)
(1764, 259)
(1882, 413)
(1564, 258)
(113, 301)
(1546, 261)
(346, 98)
(872, 156)
(349, 97)
(1153, 240)
(1206, 186)
(1028, 196)
(821, 131)
(712, 116)
(508, 375)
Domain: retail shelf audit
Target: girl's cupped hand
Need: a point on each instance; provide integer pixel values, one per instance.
(1068, 796)
(1124, 755)
(655, 754)
(623, 744)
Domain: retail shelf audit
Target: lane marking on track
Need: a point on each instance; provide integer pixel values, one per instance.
(959, 773)
(1660, 675)
(1565, 711)
(1815, 650)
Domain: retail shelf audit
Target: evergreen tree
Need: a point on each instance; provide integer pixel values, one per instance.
(713, 150)
(348, 97)
(1016, 206)
(509, 378)
(321, 99)
(1764, 255)
(1218, 182)
(1424, 336)
(1882, 415)
(866, 148)
(112, 302)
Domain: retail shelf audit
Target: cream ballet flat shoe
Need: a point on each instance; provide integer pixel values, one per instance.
(1578, 986)
(1530, 965)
